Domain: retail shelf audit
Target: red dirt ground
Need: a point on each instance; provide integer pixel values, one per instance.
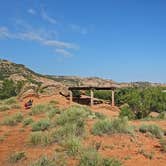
(131, 150)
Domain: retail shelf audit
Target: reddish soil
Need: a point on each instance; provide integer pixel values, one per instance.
(131, 150)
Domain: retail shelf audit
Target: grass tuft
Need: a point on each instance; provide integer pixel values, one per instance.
(40, 108)
(4, 108)
(42, 124)
(119, 125)
(73, 146)
(40, 138)
(153, 129)
(8, 104)
(15, 106)
(53, 112)
(27, 121)
(127, 112)
(43, 161)
(16, 156)
(35, 138)
(13, 120)
(91, 157)
(73, 114)
(10, 101)
(68, 130)
(163, 145)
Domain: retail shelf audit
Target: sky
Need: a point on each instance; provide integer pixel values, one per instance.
(122, 40)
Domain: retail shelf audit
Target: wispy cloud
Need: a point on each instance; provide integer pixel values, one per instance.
(78, 29)
(31, 11)
(48, 18)
(60, 47)
(4, 33)
(61, 44)
(63, 52)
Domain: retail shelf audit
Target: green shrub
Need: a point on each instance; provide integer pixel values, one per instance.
(162, 115)
(163, 145)
(42, 124)
(8, 89)
(127, 112)
(93, 115)
(73, 145)
(18, 117)
(15, 106)
(101, 127)
(68, 130)
(153, 129)
(72, 115)
(142, 99)
(10, 101)
(111, 162)
(40, 138)
(27, 121)
(35, 138)
(15, 157)
(43, 161)
(8, 104)
(9, 121)
(51, 113)
(38, 109)
(100, 115)
(71, 122)
(63, 132)
(58, 160)
(47, 138)
(4, 108)
(13, 120)
(90, 157)
(119, 125)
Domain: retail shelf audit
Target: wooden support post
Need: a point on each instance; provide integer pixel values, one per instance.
(113, 98)
(71, 96)
(91, 97)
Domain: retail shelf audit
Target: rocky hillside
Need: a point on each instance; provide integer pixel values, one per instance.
(96, 81)
(34, 83)
(80, 81)
(37, 84)
(19, 72)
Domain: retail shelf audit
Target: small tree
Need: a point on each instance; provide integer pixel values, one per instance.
(8, 89)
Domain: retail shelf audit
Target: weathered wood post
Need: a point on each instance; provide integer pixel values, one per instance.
(71, 96)
(113, 98)
(91, 97)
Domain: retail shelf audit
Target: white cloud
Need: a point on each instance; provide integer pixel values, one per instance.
(36, 35)
(60, 44)
(47, 18)
(79, 29)
(4, 33)
(63, 52)
(31, 11)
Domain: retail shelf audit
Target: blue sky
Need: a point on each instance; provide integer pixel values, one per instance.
(123, 40)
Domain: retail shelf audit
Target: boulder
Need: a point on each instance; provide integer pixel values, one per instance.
(28, 90)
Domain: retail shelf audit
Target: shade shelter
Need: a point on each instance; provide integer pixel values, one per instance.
(91, 89)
